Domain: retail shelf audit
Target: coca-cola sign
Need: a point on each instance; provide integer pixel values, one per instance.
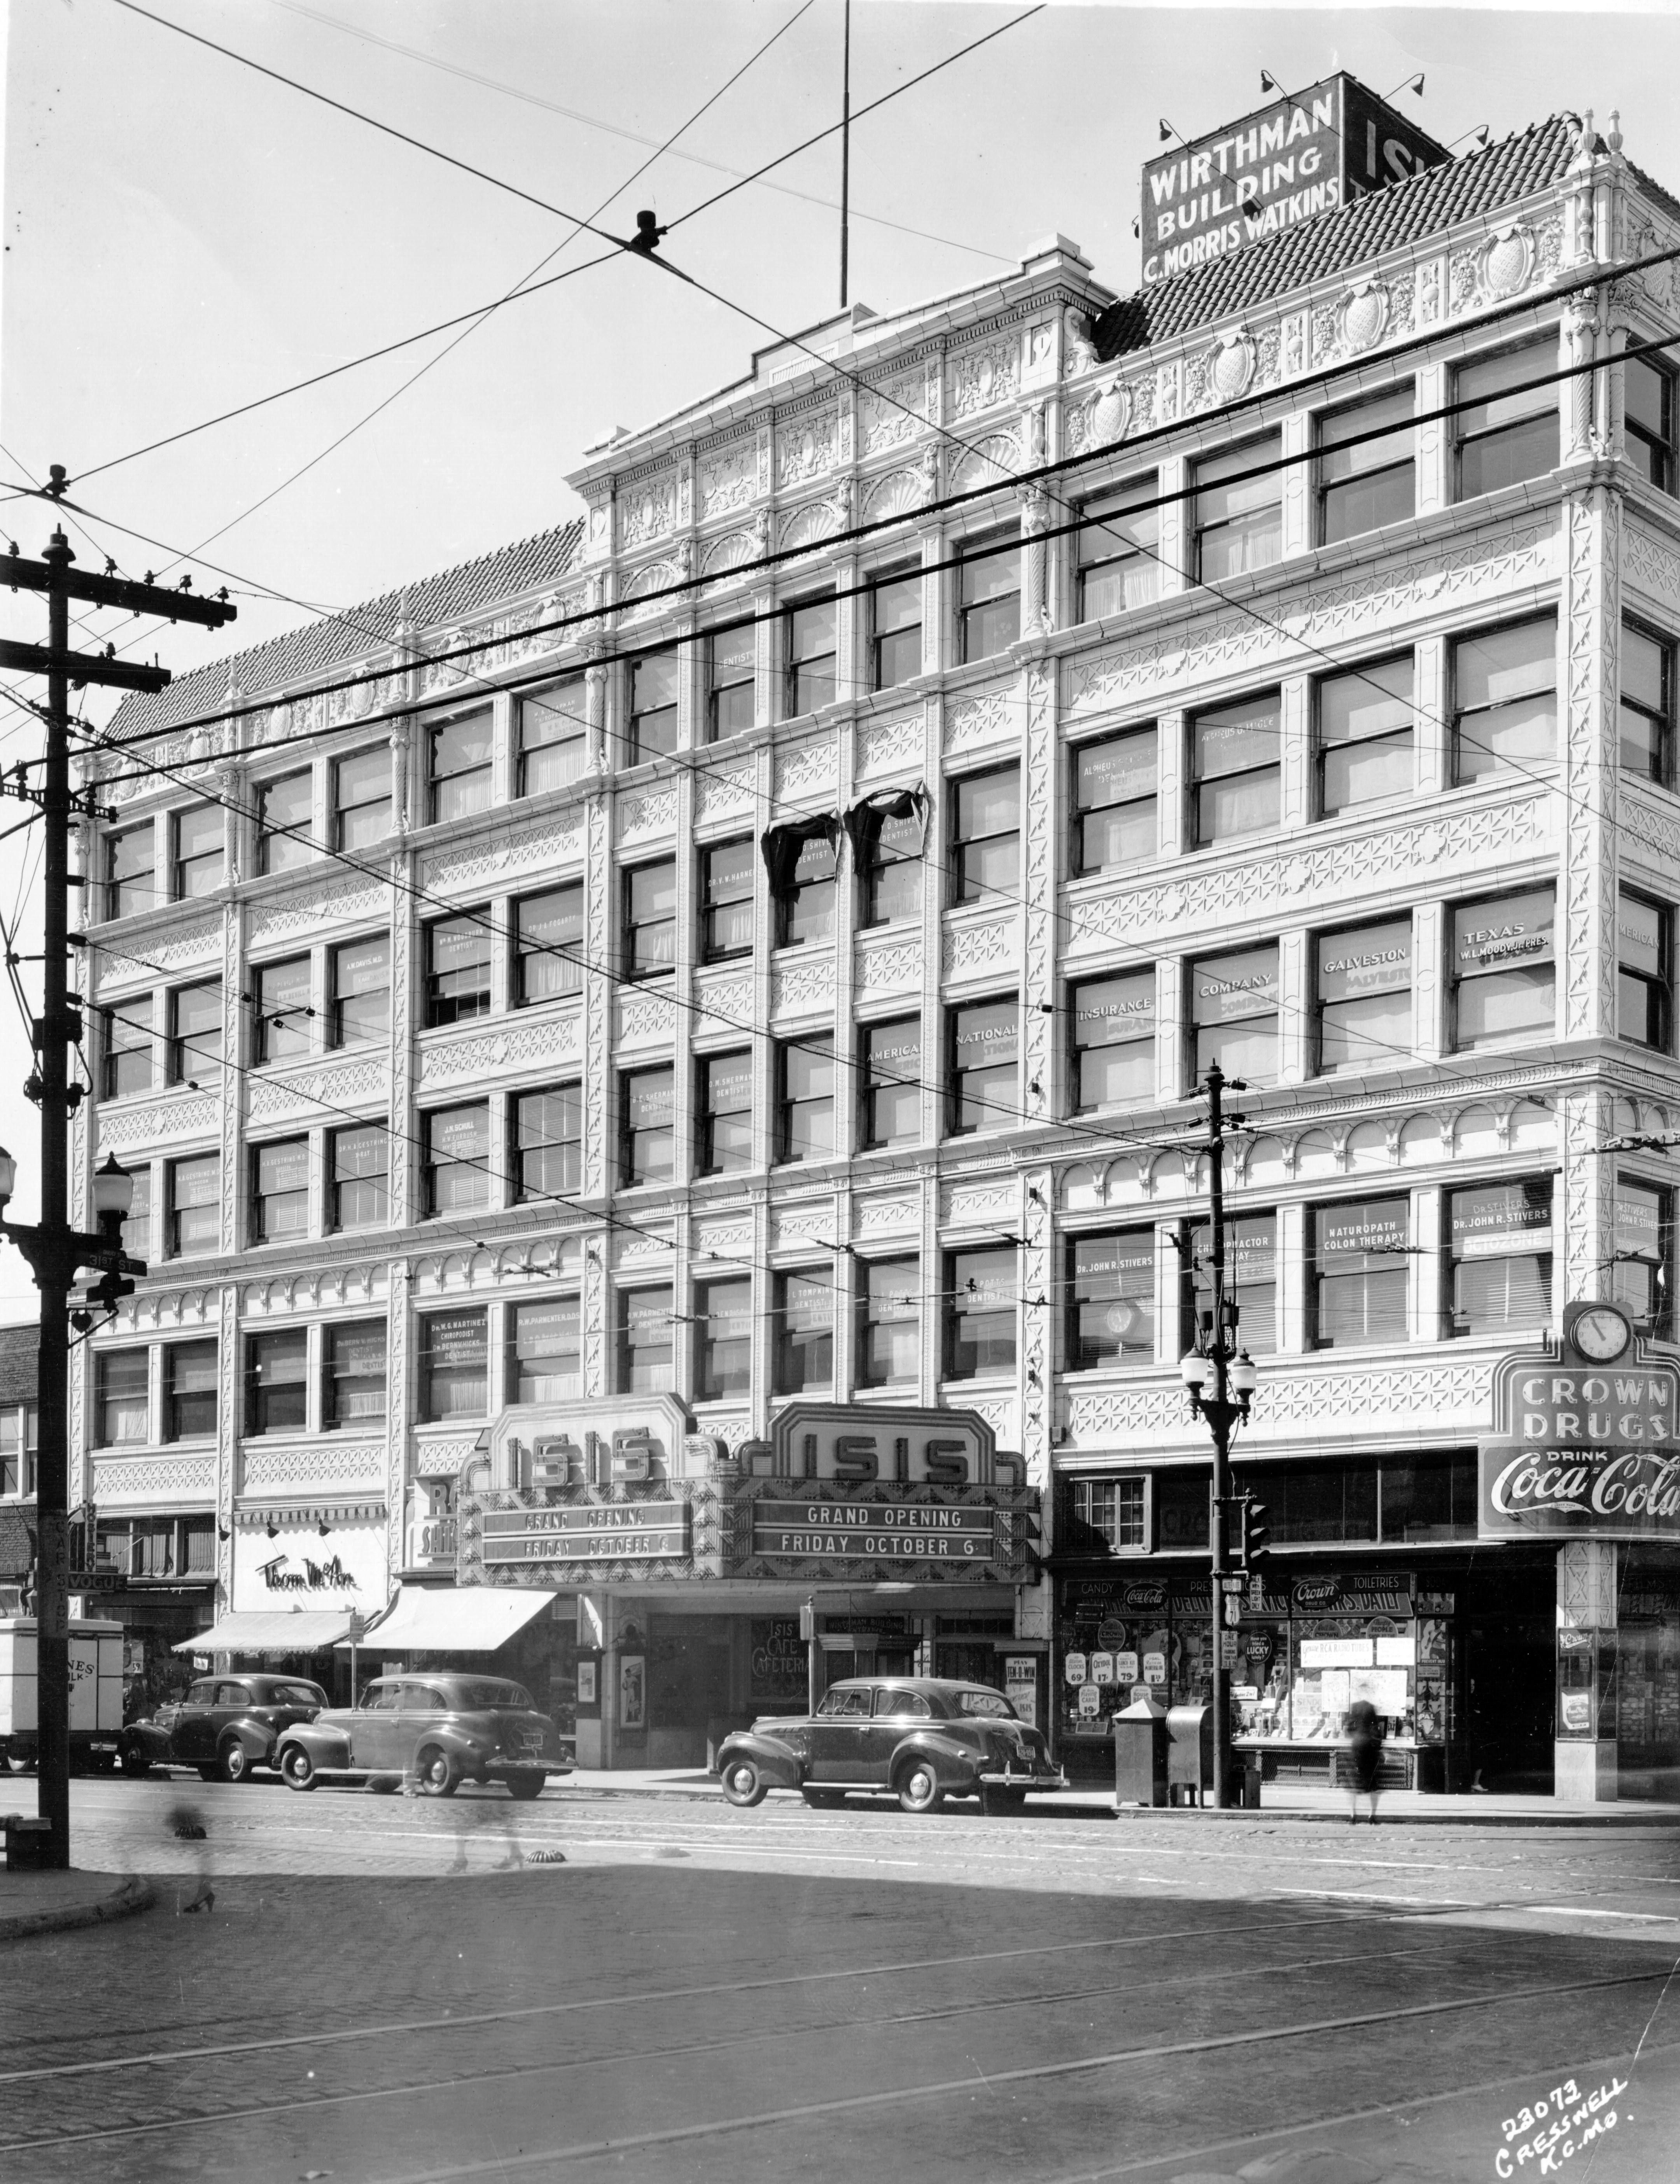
(1596, 1493)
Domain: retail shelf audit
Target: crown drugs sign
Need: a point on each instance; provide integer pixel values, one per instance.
(1586, 1454)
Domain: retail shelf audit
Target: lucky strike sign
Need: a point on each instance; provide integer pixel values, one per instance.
(1590, 1454)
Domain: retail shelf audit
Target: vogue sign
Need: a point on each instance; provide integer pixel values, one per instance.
(1594, 1455)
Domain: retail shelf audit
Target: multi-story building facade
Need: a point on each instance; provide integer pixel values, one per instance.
(750, 955)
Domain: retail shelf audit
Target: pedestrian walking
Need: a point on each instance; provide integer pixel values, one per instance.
(1364, 1754)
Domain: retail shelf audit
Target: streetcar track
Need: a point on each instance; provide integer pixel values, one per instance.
(748, 2037)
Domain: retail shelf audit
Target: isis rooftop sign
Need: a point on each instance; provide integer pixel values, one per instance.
(1308, 153)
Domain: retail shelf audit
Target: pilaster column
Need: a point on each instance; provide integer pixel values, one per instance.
(1429, 989)
(1175, 523)
(233, 1079)
(230, 1416)
(1042, 807)
(1294, 754)
(1588, 1194)
(398, 1409)
(1296, 484)
(1293, 1275)
(1295, 1010)
(404, 1153)
(1172, 817)
(1431, 721)
(1433, 441)
(1586, 913)
(601, 947)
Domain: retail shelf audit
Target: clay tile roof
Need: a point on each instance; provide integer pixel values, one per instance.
(1439, 199)
(302, 655)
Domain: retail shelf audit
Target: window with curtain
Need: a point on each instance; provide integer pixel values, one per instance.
(1364, 996)
(1505, 969)
(1234, 1015)
(1365, 473)
(1505, 431)
(1238, 515)
(1236, 760)
(1505, 699)
(1365, 736)
(1111, 1024)
(1114, 801)
(1360, 1272)
(1110, 1300)
(1500, 1257)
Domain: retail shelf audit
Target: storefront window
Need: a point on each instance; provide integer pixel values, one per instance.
(1111, 1515)
(1500, 1257)
(453, 1358)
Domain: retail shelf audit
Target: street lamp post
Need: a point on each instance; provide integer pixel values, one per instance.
(1221, 1380)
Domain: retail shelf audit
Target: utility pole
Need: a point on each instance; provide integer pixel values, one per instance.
(1221, 1380)
(845, 153)
(56, 1251)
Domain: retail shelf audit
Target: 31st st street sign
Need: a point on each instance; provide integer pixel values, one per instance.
(1585, 1450)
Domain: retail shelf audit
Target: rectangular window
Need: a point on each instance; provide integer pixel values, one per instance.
(1234, 1015)
(1427, 1499)
(1364, 992)
(277, 1383)
(890, 1323)
(120, 1401)
(988, 597)
(652, 706)
(1119, 565)
(804, 868)
(1312, 1504)
(726, 1112)
(285, 813)
(982, 1070)
(1505, 699)
(1112, 1513)
(731, 694)
(1644, 972)
(359, 975)
(1648, 409)
(646, 1127)
(1238, 518)
(282, 1009)
(280, 1191)
(131, 884)
(1235, 754)
(1111, 1299)
(1505, 969)
(199, 835)
(547, 1142)
(1111, 1024)
(136, 1229)
(359, 1167)
(457, 970)
(554, 743)
(353, 1387)
(1366, 472)
(1500, 1257)
(725, 901)
(1359, 1274)
(189, 1391)
(455, 1159)
(1643, 1285)
(650, 909)
(1180, 1498)
(895, 630)
(646, 1342)
(545, 1351)
(196, 1035)
(1250, 1278)
(889, 852)
(126, 1060)
(192, 1211)
(891, 1088)
(981, 1287)
(804, 1116)
(1647, 707)
(810, 638)
(723, 1313)
(16, 1475)
(361, 799)
(804, 1332)
(1505, 434)
(986, 834)
(548, 945)
(454, 1352)
(1365, 736)
(1114, 801)
(458, 776)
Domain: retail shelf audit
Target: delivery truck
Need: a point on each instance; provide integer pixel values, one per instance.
(96, 1693)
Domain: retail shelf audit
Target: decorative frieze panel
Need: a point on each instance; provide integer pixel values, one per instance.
(278, 918)
(343, 1463)
(809, 1223)
(722, 1006)
(888, 966)
(984, 376)
(1297, 881)
(975, 950)
(991, 461)
(991, 717)
(644, 818)
(506, 853)
(731, 551)
(810, 771)
(890, 746)
(312, 1094)
(1448, 1397)
(803, 989)
(987, 1200)
(728, 479)
(1648, 565)
(136, 1481)
(645, 1019)
(728, 1236)
(883, 1215)
(308, 1288)
(545, 1039)
(646, 511)
(642, 1247)
(189, 945)
(1375, 602)
(723, 794)
(810, 445)
(900, 493)
(159, 1121)
(440, 1455)
(893, 411)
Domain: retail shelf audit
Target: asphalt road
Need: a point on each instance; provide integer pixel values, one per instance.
(659, 1988)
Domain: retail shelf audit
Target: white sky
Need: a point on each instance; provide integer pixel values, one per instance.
(182, 236)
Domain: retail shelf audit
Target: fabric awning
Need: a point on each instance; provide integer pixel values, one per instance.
(307, 1631)
(475, 1618)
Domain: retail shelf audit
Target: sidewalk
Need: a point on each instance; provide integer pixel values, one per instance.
(56, 1902)
(1402, 1808)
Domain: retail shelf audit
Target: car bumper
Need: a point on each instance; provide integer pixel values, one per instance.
(1018, 1778)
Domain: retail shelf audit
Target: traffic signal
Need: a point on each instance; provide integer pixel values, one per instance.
(1254, 1532)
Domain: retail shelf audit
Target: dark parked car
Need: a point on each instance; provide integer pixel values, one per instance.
(440, 1731)
(224, 1726)
(922, 1737)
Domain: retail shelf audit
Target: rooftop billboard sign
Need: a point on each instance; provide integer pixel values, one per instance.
(1308, 153)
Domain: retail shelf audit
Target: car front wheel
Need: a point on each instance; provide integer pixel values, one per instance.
(742, 1783)
(296, 1769)
(439, 1776)
(235, 1761)
(918, 1787)
(134, 1760)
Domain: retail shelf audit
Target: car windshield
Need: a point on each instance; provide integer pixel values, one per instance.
(990, 1705)
(844, 1702)
(297, 1695)
(479, 1692)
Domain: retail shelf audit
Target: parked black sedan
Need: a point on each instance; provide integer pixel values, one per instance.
(921, 1737)
(224, 1726)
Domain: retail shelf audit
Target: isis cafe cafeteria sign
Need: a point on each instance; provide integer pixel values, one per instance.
(1307, 154)
(1588, 1444)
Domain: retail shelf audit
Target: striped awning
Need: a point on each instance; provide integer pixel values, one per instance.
(277, 1630)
